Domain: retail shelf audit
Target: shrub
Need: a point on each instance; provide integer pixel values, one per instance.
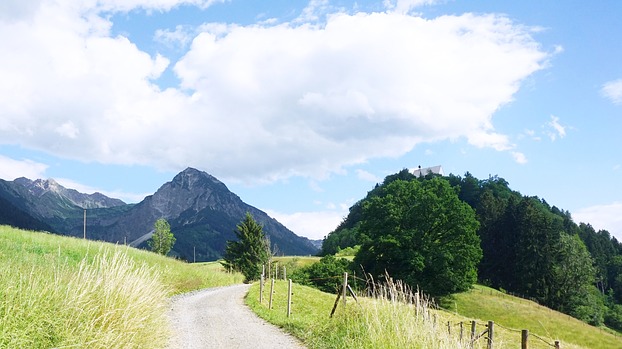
(325, 275)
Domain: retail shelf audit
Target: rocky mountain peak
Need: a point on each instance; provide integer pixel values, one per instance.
(191, 178)
(202, 213)
(190, 189)
(40, 187)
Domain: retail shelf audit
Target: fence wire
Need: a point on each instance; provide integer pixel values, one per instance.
(405, 292)
(509, 329)
(543, 340)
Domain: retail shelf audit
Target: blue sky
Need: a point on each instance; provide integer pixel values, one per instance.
(301, 107)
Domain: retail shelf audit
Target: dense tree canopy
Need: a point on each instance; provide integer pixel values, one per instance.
(420, 232)
(529, 247)
(249, 252)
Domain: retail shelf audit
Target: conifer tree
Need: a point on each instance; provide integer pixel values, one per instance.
(249, 252)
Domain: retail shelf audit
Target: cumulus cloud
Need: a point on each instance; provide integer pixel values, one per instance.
(117, 194)
(405, 6)
(613, 91)
(313, 225)
(12, 168)
(519, 157)
(606, 216)
(558, 129)
(258, 102)
(367, 176)
(179, 38)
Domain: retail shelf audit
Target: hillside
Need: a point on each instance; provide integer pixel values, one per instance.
(66, 292)
(528, 246)
(201, 210)
(516, 313)
(482, 304)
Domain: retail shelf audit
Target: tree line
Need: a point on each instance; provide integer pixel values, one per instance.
(443, 233)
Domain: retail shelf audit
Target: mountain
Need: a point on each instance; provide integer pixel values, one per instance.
(201, 210)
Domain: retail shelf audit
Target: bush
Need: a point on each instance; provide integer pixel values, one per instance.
(325, 275)
(613, 317)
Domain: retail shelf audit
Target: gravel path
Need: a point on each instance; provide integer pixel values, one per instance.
(218, 318)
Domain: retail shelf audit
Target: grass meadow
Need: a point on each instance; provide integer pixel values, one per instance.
(384, 322)
(486, 303)
(62, 292)
(389, 322)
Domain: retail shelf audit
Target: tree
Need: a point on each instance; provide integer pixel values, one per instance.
(162, 240)
(420, 232)
(338, 240)
(325, 275)
(249, 252)
(573, 277)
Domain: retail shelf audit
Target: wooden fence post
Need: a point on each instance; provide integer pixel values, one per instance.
(524, 339)
(461, 330)
(491, 333)
(557, 345)
(271, 292)
(417, 305)
(345, 288)
(449, 327)
(261, 289)
(289, 298)
(284, 273)
(473, 327)
(332, 312)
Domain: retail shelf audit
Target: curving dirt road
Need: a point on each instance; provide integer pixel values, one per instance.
(218, 318)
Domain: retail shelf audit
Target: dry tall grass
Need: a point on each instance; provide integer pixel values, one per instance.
(108, 303)
(394, 316)
(62, 292)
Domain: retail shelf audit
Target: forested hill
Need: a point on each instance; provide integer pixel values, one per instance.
(529, 248)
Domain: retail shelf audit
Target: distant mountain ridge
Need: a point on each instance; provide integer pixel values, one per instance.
(201, 210)
(41, 187)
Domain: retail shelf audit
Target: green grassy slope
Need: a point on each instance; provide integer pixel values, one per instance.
(67, 292)
(372, 324)
(369, 323)
(489, 304)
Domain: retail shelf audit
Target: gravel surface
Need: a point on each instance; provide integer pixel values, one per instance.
(218, 318)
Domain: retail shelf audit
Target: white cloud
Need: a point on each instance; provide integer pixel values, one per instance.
(313, 225)
(11, 168)
(258, 102)
(115, 194)
(606, 216)
(68, 129)
(559, 130)
(178, 38)
(531, 134)
(496, 141)
(613, 91)
(406, 6)
(367, 176)
(519, 157)
(314, 10)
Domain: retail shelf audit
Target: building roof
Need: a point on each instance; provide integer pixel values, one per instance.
(421, 172)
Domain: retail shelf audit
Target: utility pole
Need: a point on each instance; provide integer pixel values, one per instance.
(85, 223)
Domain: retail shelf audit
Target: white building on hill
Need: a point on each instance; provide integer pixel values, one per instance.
(422, 172)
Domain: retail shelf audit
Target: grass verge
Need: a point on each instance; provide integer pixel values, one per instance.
(61, 292)
(486, 303)
(384, 322)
